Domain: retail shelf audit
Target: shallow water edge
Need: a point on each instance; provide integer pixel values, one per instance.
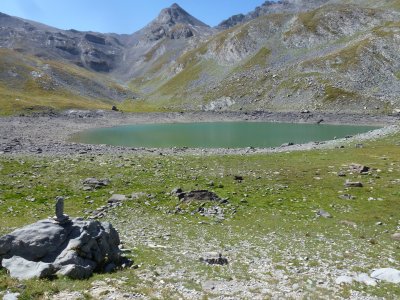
(48, 134)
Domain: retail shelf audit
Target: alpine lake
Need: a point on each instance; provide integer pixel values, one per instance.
(216, 134)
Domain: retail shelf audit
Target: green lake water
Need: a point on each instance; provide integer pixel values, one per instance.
(216, 134)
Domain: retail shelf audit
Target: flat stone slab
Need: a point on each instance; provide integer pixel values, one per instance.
(387, 274)
(353, 184)
(23, 269)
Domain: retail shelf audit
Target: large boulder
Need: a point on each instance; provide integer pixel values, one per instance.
(76, 248)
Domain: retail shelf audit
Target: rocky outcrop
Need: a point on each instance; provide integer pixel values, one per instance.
(180, 32)
(75, 248)
(271, 7)
(174, 23)
(231, 21)
(95, 39)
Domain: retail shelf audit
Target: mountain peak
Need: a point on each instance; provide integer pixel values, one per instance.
(177, 15)
(175, 6)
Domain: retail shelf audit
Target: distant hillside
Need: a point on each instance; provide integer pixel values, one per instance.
(336, 57)
(289, 55)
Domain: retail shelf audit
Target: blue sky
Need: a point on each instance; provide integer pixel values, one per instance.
(118, 16)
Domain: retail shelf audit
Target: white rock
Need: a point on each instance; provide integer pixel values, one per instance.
(344, 279)
(387, 274)
(364, 278)
(11, 296)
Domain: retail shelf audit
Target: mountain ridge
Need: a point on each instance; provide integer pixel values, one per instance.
(268, 59)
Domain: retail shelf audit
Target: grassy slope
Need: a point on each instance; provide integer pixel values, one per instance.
(20, 91)
(276, 224)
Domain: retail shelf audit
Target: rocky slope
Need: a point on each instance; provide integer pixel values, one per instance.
(333, 57)
(324, 55)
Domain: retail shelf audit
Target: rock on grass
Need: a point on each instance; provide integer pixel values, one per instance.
(214, 258)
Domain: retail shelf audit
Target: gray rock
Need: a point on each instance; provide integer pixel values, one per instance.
(116, 198)
(214, 258)
(60, 217)
(109, 268)
(23, 269)
(323, 213)
(95, 183)
(356, 168)
(76, 271)
(387, 274)
(87, 245)
(348, 223)
(201, 195)
(396, 236)
(353, 184)
(347, 197)
(34, 241)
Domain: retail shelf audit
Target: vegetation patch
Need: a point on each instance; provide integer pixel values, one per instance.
(140, 106)
(270, 232)
(260, 59)
(342, 60)
(333, 93)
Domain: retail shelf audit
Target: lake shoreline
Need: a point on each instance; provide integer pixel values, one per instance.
(49, 133)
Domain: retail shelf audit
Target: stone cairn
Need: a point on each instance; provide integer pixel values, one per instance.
(61, 246)
(60, 217)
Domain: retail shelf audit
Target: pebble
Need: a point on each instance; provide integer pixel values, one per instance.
(323, 213)
(396, 236)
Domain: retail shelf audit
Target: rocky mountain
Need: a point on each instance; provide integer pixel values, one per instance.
(175, 23)
(270, 7)
(152, 48)
(339, 56)
(286, 55)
